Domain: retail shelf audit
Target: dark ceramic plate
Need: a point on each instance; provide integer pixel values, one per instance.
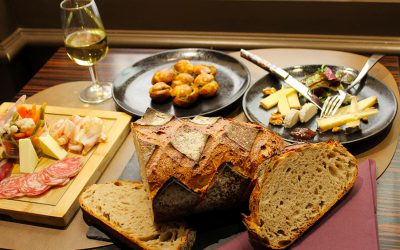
(387, 106)
(131, 87)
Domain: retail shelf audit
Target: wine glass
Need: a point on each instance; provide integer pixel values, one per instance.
(86, 43)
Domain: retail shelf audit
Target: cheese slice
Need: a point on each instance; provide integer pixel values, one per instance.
(352, 127)
(271, 100)
(362, 105)
(330, 122)
(2, 153)
(283, 104)
(293, 100)
(28, 158)
(51, 148)
(307, 112)
(291, 118)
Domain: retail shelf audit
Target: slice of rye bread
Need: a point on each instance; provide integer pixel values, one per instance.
(121, 209)
(296, 189)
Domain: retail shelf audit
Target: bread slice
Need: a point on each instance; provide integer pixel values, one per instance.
(296, 189)
(121, 209)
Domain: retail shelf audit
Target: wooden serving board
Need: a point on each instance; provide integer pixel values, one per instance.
(57, 206)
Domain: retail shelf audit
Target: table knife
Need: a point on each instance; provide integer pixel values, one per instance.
(283, 75)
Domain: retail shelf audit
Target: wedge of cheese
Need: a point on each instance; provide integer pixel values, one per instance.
(273, 99)
(307, 112)
(328, 123)
(354, 126)
(283, 104)
(362, 105)
(291, 118)
(28, 158)
(51, 148)
(2, 153)
(294, 101)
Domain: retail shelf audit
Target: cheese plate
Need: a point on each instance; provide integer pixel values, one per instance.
(57, 206)
(376, 125)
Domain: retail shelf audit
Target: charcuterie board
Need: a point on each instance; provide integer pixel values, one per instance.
(58, 205)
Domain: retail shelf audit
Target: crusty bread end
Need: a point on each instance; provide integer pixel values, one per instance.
(296, 190)
(121, 209)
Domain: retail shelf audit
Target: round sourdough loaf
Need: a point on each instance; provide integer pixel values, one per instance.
(201, 164)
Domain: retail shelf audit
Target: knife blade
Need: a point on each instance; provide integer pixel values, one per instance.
(283, 75)
(304, 90)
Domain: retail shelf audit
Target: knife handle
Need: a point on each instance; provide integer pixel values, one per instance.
(264, 64)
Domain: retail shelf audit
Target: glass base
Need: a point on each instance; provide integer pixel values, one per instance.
(96, 93)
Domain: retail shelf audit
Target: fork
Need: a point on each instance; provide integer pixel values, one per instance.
(333, 103)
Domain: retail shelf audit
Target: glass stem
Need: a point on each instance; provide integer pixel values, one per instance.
(93, 74)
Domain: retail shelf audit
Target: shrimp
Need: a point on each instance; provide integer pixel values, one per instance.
(79, 134)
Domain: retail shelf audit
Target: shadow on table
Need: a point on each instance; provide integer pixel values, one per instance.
(366, 144)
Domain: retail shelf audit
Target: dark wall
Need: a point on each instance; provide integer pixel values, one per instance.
(7, 19)
(264, 16)
(16, 73)
(325, 17)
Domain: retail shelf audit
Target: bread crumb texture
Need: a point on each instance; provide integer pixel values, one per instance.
(124, 206)
(303, 185)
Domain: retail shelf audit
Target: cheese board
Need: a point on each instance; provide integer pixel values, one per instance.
(375, 127)
(57, 206)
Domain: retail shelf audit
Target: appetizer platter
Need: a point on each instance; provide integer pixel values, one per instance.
(50, 154)
(371, 95)
(143, 84)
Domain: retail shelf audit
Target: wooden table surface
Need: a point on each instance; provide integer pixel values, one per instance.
(60, 69)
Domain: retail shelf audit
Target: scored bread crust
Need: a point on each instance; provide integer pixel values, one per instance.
(191, 152)
(255, 221)
(124, 238)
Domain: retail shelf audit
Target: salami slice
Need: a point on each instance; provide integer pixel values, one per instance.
(68, 167)
(6, 167)
(47, 179)
(31, 185)
(65, 182)
(9, 187)
(57, 174)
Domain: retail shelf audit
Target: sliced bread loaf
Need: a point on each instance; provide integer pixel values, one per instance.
(202, 164)
(121, 209)
(296, 189)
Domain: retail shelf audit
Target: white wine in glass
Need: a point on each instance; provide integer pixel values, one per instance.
(86, 43)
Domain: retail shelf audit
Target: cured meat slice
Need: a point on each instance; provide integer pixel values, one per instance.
(68, 167)
(57, 174)
(65, 182)
(47, 179)
(6, 166)
(10, 187)
(32, 186)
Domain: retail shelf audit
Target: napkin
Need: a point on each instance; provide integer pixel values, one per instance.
(351, 224)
